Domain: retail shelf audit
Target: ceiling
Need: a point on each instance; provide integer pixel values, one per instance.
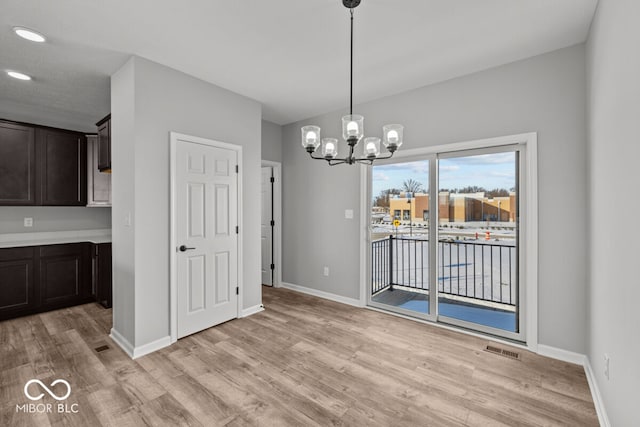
(290, 55)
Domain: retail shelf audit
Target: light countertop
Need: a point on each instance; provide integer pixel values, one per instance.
(14, 240)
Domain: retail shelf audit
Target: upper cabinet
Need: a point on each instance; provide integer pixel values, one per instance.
(98, 183)
(42, 166)
(104, 144)
(17, 165)
(62, 167)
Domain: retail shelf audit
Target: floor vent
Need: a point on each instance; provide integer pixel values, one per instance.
(502, 352)
(101, 348)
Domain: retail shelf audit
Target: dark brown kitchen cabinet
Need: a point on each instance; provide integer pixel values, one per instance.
(17, 282)
(17, 165)
(42, 166)
(104, 144)
(62, 158)
(102, 273)
(65, 275)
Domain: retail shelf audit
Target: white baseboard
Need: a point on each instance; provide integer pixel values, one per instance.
(560, 354)
(252, 310)
(595, 394)
(326, 295)
(151, 347)
(135, 352)
(122, 342)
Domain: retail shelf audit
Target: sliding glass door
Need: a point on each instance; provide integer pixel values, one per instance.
(478, 240)
(450, 254)
(400, 238)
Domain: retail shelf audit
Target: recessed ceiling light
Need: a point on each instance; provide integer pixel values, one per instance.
(19, 76)
(30, 35)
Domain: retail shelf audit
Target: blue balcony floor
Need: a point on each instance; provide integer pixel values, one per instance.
(474, 313)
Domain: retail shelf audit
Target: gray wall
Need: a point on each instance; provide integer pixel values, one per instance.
(148, 101)
(614, 113)
(271, 141)
(53, 218)
(544, 94)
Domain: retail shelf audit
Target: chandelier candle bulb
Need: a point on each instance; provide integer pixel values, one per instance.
(392, 137)
(352, 128)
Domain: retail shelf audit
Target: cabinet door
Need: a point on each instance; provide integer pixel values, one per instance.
(16, 282)
(103, 274)
(62, 167)
(104, 145)
(17, 165)
(64, 275)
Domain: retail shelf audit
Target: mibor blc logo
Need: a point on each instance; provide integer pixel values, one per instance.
(61, 408)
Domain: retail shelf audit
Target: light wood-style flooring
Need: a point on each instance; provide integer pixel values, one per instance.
(304, 361)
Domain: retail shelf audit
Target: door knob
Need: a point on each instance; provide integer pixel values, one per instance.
(183, 248)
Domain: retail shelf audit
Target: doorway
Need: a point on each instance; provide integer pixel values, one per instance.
(205, 233)
(270, 223)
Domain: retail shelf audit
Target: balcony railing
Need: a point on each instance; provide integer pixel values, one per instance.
(472, 269)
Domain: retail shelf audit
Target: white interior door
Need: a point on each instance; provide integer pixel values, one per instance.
(206, 215)
(266, 228)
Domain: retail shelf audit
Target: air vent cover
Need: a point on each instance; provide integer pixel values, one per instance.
(491, 348)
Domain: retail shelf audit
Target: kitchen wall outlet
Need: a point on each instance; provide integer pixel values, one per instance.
(28, 222)
(326, 271)
(348, 213)
(607, 361)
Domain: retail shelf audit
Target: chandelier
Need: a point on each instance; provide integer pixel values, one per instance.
(352, 129)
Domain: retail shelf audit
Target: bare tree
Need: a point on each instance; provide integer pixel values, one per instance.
(412, 186)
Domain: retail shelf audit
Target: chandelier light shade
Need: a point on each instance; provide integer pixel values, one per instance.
(352, 129)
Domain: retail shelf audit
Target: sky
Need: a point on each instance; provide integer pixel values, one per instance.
(487, 170)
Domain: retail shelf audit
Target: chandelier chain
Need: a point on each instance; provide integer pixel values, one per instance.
(351, 69)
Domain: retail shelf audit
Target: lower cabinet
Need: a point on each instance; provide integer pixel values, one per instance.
(17, 282)
(102, 273)
(64, 275)
(42, 278)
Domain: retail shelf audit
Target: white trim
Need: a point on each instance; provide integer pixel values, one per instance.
(603, 418)
(145, 349)
(560, 354)
(365, 241)
(321, 294)
(530, 240)
(173, 285)
(529, 229)
(252, 310)
(122, 342)
(277, 217)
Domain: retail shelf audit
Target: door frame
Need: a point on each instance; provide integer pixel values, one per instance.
(173, 276)
(528, 228)
(277, 218)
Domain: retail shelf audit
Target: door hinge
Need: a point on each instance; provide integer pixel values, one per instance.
(237, 229)
(237, 290)
(273, 266)
(237, 168)
(273, 179)
(273, 223)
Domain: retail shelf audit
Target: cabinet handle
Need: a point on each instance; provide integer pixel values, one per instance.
(183, 248)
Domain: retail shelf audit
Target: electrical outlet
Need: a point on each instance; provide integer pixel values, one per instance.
(326, 271)
(28, 222)
(348, 213)
(607, 361)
